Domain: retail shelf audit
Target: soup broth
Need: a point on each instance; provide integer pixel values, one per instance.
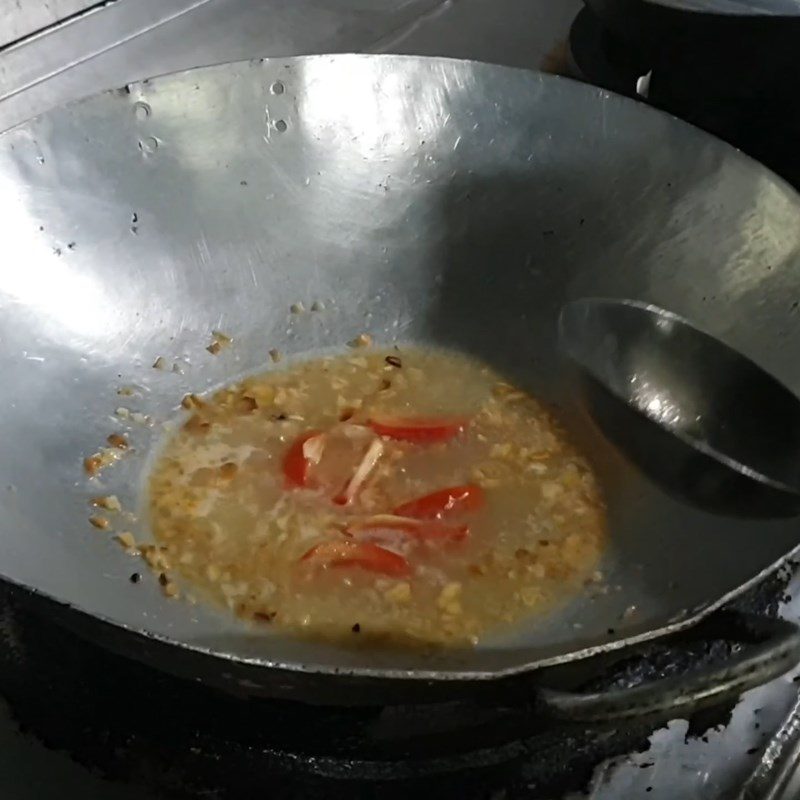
(409, 494)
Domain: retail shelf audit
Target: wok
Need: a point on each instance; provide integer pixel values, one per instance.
(425, 200)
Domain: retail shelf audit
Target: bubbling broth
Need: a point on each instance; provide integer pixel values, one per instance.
(406, 494)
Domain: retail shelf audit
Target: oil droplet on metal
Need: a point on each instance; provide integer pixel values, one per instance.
(141, 110)
(148, 145)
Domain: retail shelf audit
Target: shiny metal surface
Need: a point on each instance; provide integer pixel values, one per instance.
(133, 40)
(433, 200)
(701, 419)
(21, 18)
(776, 775)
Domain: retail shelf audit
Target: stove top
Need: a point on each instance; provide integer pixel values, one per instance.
(180, 739)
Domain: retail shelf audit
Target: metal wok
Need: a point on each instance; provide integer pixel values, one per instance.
(421, 199)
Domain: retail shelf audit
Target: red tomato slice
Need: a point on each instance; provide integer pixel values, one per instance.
(436, 505)
(387, 522)
(419, 430)
(435, 531)
(359, 554)
(422, 530)
(295, 463)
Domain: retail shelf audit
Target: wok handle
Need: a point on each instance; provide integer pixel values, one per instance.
(776, 653)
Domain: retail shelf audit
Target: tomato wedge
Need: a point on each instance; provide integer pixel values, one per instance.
(419, 430)
(419, 529)
(444, 502)
(295, 463)
(359, 554)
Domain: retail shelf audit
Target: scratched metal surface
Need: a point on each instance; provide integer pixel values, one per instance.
(22, 18)
(136, 39)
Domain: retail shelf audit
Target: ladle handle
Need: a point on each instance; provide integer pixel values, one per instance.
(776, 653)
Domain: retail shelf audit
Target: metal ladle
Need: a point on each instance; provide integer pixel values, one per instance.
(699, 418)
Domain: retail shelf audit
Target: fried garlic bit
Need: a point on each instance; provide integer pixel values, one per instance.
(118, 440)
(192, 401)
(94, 463)
(126, 541)
(362, 340)
(219, 340)
(109, 503)
(171, 590)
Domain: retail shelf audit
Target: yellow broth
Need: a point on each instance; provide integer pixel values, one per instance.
(221, 509)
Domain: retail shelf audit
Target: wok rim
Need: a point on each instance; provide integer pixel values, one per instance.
(444, 676)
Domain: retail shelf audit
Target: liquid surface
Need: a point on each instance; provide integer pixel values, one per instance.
(260, 505)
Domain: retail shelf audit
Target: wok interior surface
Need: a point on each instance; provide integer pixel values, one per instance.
(435, 201)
